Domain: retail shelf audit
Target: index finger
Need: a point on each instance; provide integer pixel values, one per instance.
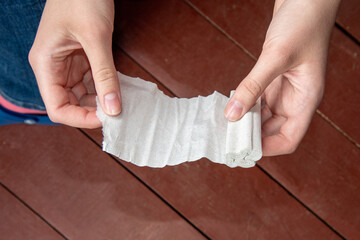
(60, 109)
(287, 139)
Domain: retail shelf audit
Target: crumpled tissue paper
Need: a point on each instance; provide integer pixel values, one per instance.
(156, 130)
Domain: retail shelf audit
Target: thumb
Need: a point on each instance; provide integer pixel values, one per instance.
(99, 53)
(251, 88)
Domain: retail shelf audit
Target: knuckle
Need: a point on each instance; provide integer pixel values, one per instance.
(97, 29)
(53, 116)
(105, 27)
(32, 56)
(37, 56)
(104, 76)
(290, 144)
(277, 51)
(292, 147)
(253, 87)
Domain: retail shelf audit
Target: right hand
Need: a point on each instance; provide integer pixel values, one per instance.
(72, 61)
(289, 74)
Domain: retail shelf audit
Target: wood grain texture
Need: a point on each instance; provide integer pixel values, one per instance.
(348, 17)
(167, 51)
(86, 194)
(19, 222)
(244, 21)
(342, 90)
(80, 190)
(342, 94)
(324, 174)
(179, 47)
(226, 203)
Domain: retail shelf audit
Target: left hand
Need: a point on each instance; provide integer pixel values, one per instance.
(73, 62)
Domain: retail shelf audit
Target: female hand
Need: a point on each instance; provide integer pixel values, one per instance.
(289, 74)
(72, 57)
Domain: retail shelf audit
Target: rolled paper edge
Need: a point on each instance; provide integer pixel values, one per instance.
(239, 160)
(256, 153)
(246, 157)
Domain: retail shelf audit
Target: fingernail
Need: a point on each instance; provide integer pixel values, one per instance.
(112, 104)
(234, 111)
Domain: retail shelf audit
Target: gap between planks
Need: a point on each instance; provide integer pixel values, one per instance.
(172, 207)
(322, 115)
(347, 33)
(146, 185)
(33, 210)
(287, 191)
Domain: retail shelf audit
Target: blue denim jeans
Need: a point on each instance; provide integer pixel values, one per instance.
(19, 20)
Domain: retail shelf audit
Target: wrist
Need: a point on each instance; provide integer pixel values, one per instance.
(328, 4)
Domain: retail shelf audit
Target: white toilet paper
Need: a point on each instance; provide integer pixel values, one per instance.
(156, 130)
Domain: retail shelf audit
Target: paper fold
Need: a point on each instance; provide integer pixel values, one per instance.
(243, 139)
(156, 130)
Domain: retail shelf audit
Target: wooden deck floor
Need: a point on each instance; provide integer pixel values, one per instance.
(56, 183)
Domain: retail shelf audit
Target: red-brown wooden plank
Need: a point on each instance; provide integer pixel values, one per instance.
(190, 57)
(349, 17)
(342, 95)
(251, 19)
(342, 91)
(226, 203)
(19, 222)
(324, 173)
(180, 48)
(340, 103)
(231, 203)
(80, 190)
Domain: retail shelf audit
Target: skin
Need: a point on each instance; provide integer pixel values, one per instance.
(72, 60)
(289, 74)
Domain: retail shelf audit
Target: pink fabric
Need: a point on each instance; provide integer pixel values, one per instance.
(14, 108)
